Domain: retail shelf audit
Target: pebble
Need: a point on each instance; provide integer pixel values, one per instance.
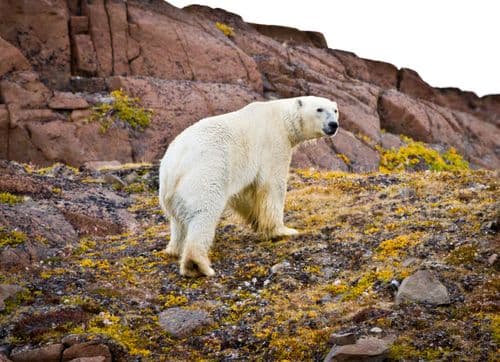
(277, 268)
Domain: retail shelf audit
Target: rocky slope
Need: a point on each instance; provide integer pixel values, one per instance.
(58, 58)
(402, 266)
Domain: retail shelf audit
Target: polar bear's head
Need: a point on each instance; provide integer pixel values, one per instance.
(318, 117)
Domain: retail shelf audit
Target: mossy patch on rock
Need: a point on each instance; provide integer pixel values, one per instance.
(123, 108)
(416, 155)
(10, 199)
(11, 238)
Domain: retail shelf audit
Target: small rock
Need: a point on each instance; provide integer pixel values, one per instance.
(409, 261)
(366, 349)
(50, 353)
(423, 287)
(407, 192)
(89, 359)
(492, 259)
(278, 268)
(8, 291)
(67, 100)
(131, 177)
(87, 349)
(376, 330)
(3, 358)
(80, 115)
(325, 299)
(99, 165)
(341, 339)
(370, 313)
(5, 349)
(113, 179)
(491, 227)
(182, 322)
(72, 339)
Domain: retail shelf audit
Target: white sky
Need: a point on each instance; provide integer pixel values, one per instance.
(449, 43)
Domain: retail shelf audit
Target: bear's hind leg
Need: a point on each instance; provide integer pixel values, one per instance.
(200, 234)
(177, 235)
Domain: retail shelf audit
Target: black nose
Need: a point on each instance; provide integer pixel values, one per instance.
(333, 125)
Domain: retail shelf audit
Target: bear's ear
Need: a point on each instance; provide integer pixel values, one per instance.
(299, 102)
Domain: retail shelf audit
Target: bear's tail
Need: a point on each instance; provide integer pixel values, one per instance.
(163, 192)
(162, 195)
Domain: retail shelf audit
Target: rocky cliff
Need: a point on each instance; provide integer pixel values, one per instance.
(59, 58)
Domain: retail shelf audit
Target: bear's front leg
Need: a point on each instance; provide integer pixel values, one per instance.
(271, 204)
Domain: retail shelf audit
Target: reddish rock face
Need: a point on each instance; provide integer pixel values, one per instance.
(185, 69)
(11, 58)
(39, 29)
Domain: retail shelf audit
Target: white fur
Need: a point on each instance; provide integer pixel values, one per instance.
(240, 159)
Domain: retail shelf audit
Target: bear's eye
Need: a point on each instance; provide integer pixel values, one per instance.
(336, 111)
(319, 110)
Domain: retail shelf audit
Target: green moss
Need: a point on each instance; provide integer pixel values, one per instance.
(112, 326)
(403, 350)
(464, 254)
(47, 170)
(417, 155)
(495, 327)
(20, 298)
(135, 188)
(10, 199)
(123, 108)
(172, 299)
(11, 238)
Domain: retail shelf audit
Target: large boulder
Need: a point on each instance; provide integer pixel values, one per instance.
(422, 287)
(174, 46)
(11, 58)
(39, 29)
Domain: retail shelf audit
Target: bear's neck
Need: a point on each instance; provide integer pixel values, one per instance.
(293, 125)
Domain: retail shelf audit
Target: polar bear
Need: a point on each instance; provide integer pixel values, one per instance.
(239, 159)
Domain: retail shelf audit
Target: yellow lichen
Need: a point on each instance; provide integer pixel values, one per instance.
(11, 238)
(97, 264)
(226, 29)
(173, 300)
(10, 199)
(418, 155)
(344, 158)
(391, 248)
